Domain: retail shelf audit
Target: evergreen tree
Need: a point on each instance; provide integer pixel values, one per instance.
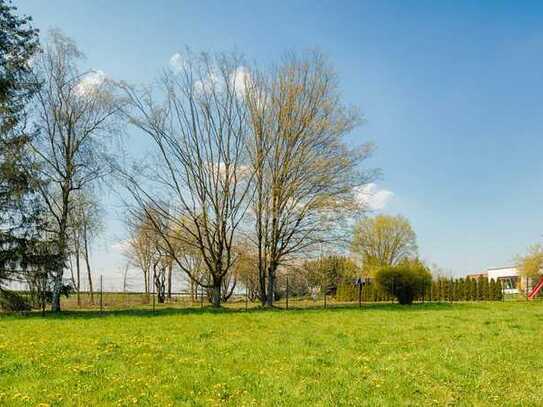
(467, 289)
(20, 223)
(461, 290)
(454, 285)
(435, 290)
(498, 293)
(441, 289)
(473, 290)
(484, 289)
(492, 290)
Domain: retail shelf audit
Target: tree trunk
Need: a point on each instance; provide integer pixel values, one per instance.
(78, 275)
(216, 294)
(57, 288)
(146, 277)
(270, 295)
(87, 261)
(58, 274)
(62, 238)
(170, 269)
(193, 291)
(262, 280)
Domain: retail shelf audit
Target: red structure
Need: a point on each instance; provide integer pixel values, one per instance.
(536, 289)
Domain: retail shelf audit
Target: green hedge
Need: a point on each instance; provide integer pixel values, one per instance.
(442, 289)
(370, 293)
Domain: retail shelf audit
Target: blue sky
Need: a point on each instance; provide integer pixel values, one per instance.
(451, 91)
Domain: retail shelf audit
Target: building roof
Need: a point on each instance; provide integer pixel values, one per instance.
(498, 272)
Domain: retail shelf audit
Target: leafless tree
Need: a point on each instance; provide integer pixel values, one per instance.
(200, 132)
(160, 271)
(74, 116)
(305, 176)
(140, 246)
(85, 222)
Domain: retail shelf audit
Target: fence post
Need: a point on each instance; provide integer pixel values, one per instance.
(287, 293)
(43, 299)
(101, 294)
(153, 294)
(201, 297)
(360, 294)
(325, 297)
(246, 297)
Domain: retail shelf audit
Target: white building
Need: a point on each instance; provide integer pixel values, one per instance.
(508, 276)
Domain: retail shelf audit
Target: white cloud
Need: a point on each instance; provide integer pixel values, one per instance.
(373, 198)
(177, 62)
(121, 246)
(91, 82)
(243, 171)
(207, 85)
(239, 79)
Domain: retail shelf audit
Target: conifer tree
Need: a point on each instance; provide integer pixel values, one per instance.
(461, 290)
(492, 290)
(22, 248)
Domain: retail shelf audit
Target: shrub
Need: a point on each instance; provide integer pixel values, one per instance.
(13, 302)
(406, 281)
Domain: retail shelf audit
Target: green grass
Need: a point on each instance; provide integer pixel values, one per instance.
(483, 354)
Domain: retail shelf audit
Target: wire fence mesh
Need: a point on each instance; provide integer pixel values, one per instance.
(355, 296)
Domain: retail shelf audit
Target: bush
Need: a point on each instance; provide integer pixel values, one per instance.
(13, 302)
(406, 281)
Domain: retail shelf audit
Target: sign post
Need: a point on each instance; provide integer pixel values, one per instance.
(360, 282)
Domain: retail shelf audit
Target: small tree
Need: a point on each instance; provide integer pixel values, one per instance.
(492, 290)
(461, 291)
(383, 241)
(498, 291)
(484, 290)
(406, 281)
(530, 266)
(328, 272)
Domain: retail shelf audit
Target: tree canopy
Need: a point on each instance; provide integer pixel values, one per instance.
(383, 240)
(531, 264)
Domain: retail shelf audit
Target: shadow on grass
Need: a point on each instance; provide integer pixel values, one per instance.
(169, 310)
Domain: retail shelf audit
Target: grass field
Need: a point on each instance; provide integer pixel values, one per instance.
(428, 354)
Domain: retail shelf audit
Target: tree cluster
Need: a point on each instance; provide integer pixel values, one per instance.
(251, 166)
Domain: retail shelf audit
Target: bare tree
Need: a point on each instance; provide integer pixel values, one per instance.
(85, 221)
(159, 274)
(140, 248)
(74, 120)
(306, 177)
(200, 133)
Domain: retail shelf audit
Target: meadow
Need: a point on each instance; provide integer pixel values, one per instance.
(482, 354)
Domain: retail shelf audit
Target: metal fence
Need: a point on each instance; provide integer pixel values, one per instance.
(107, 300)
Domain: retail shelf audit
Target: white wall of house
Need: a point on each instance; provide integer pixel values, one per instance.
(509, 277)
(496, 273)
